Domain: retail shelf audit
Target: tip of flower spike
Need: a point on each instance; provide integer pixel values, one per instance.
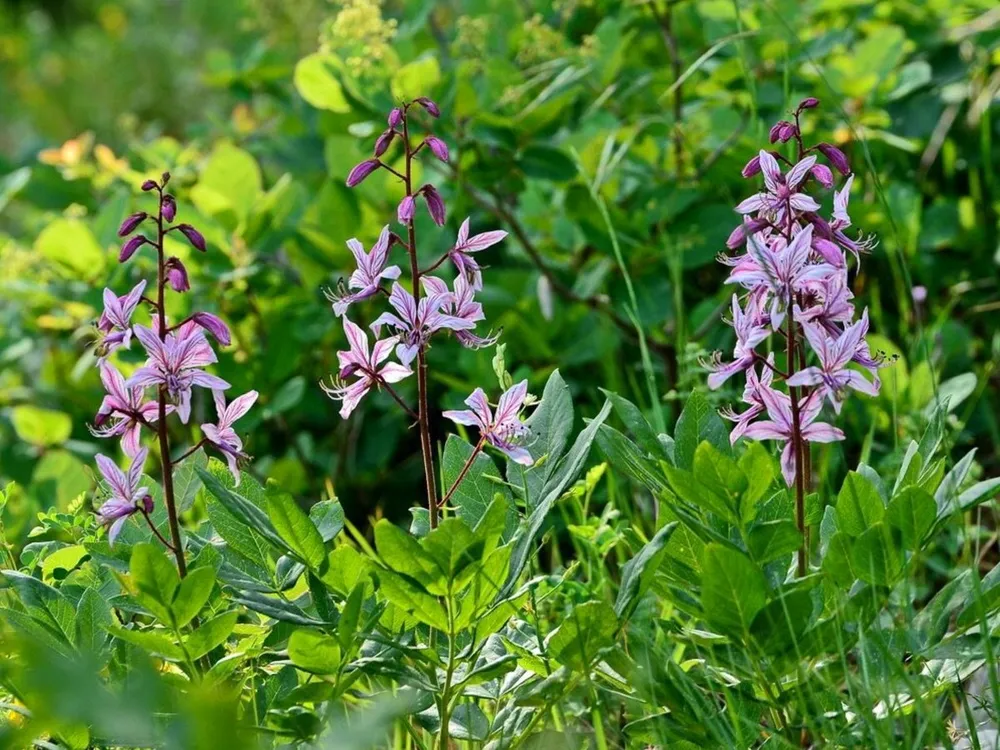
(810, 102)
(431, 108)
(169, 207)
(149, 185)
(131, 223)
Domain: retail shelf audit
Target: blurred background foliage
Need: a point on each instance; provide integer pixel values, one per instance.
(553, 112)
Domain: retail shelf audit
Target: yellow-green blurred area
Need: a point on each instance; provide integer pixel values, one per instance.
(259, 108)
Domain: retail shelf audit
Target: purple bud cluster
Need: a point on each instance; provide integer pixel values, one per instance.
(795, 275)
(176, 357)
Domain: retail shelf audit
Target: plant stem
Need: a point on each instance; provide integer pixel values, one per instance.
(465, 470)
(422, 413)
(161, 397)
(793, 394)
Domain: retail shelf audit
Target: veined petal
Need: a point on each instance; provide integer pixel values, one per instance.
(770, 171)
(357, 338)
(799, 172)
(511, 402)
(766, 430)
(239, 407)
(464, 416)
(202, 378)
(821, 432)
(481, 406)
(752, 204)
(393, 372)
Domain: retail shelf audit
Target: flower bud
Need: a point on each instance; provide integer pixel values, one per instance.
(129, 248)
(836, 157)
(435, 204)
(775, 130)
(383, 142)
(787, 132)
(427, 104)
(395, 117)
(361, 171)
(149, 185)
(165, 178)
(810, 102)
(823, 175)
(214, 326)
(919, 294)
(131, 223)
(348, 370)
(438, 147)
(177, 275)
(830, 252)
(169, 207)
(193, 236)
(752, 167)
(147, 504)
(405, 211)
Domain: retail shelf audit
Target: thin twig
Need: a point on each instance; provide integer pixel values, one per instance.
(465, 470)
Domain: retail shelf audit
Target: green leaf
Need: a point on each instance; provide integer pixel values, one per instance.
(234, 520)
(328, 516)
(244, 511)
(41, 427)
(838, 561)
(948, 498)
(154, 642)
(93, 616)
(412, 599)
(551, 424)
(345, 569)
(313, 651)
(588, 629)
(698, 422)
(627, 457)
(230, 182)
(758, 467)
(719, 472)
(772, 540)
(211, 634)
(453, 547)
(296, 529)
(72, 247)
(875, 556)
(476, 491)
(468, 722)
(546, 163)
(316, 83)
(780, 625)
(858, 505)
(417, 78)
(912, 513)
(733, 589)
(187, 482)
(155, 579)
(403, 553)
(350, 616)
(45, 604)
(192, 595)
(639, 572)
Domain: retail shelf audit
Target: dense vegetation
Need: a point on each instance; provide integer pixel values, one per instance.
(637, 578)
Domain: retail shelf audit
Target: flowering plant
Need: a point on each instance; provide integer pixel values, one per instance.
(176, 357)
(431, 308)
(795, 275)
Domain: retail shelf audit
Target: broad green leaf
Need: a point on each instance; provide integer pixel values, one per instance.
(637, 425)
(984, 603)
(875, 556)
(155, 579)
(345, 569)
(838, 561)
(93, 616)
(720, 472)
(404, 554)
(155, 642)
(230, 181)
(698, 422)
(588, 629)
(193, 593)
(72, 247)
(317, 84)
(912, 513)
(417, 78)
(211, 634)
(948, 498)
(312, 651)
(296, 529)
(328, 516)
(638, 573)
(59, 478)
(758, 467)
(244, 511)
(412, 600)
(350, 616)
(44, 603)
(41, 427)
(453, 547)
(626, 456)
(469, 723)
(780, 624)
(772, 540)
(476, 490)
(733, 589)
(551, 424)
(858, 505)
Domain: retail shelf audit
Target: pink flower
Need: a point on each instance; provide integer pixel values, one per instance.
(116, 320)
(461, 253)
(127, 408)
(371, 269)
(781, 190)
(504, 430)
(126, 497)
(779, 426)
(174, 365)
(416, 322)
(461, 305)
(750, 331)
(222, 435)
(751, 396)
(358, 361)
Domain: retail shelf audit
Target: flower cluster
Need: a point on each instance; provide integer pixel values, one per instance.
(176, 357)
(794, 274)
(423, 308)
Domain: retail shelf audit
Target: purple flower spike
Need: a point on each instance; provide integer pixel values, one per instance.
(222, 435)
(367, 365)
(504, 430)
(169, 207)
(780, 426)
(126, 496)
(438, 147)
(361, 172)
(434, 204)
(836, 157)
(214, 325)
(465, 246)
(193, 236)
(427, 104)
(129, 248)
(371, 269)
(175, 364)
(406, 210)
(176, 275)
(131, 223)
